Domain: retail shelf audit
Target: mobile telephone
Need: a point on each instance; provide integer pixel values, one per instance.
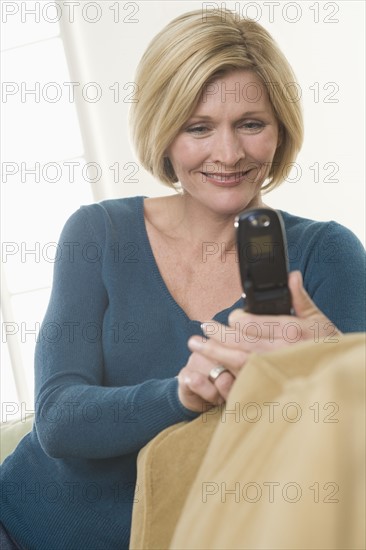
(262, 251)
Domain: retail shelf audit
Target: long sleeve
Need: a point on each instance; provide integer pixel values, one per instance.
(338, 281)
(77, 414)
(332, 260)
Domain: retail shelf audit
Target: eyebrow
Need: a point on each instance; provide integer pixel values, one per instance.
(246, 114)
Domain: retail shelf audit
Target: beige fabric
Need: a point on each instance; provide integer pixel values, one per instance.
(316, 462)
(11, 433)
(323, 459)
(166, 469)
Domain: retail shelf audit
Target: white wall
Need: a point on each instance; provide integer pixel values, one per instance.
(324, 41)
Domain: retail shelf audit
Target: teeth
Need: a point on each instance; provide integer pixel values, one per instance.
(222, 177)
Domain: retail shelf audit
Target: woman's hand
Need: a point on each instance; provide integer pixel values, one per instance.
(196, 392)
(248, 333)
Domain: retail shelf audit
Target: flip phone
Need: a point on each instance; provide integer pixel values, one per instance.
(262, 250)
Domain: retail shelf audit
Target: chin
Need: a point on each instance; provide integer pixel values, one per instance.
(234, 203)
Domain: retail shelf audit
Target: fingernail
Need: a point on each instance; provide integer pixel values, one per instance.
(195, 344)
(237, 314)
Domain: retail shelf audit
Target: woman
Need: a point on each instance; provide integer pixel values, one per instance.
(135, 283)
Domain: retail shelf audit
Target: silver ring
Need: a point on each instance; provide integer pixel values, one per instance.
(215, 373)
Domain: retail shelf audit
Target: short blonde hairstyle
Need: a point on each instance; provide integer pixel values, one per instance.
(182, 58)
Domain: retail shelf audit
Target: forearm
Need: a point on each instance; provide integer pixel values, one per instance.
(100, 422)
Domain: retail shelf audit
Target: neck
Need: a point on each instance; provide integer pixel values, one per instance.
(197, 224)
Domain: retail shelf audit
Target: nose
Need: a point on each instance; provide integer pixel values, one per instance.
(227, 148)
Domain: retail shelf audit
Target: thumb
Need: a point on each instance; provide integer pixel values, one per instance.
(301, 301)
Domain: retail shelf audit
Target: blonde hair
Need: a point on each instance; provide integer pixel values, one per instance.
(182, 58)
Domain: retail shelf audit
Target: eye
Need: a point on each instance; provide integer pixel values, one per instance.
(252, 125)
(198, 130)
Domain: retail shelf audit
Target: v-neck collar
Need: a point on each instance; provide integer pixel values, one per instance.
(219, 316)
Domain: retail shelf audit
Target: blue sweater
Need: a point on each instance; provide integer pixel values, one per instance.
(110, 346)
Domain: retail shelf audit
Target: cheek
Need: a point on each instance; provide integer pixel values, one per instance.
(263, 146)
(185, 154)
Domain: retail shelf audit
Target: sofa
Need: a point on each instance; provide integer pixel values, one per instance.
(11, 433)
(281, 466)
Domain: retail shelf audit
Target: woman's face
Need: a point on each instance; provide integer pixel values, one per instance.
(222, 155)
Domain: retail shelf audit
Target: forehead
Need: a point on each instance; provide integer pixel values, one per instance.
(242, 87)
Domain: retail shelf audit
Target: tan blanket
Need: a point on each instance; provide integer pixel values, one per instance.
(282, 467)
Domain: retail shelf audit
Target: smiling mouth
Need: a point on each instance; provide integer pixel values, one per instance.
(227, 176)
